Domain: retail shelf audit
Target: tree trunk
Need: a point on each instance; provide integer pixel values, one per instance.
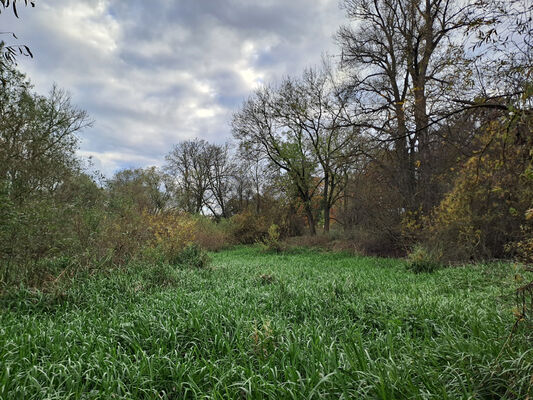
(406, 176)
(326, 217)
(345, 208)
(257, 199)
(325, 202)
(198, 207)
(424, 156)
(310, 219)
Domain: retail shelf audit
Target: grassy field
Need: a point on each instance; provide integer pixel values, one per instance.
(301, 325)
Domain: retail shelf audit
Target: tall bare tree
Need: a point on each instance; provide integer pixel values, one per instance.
(259, 128)
(318, 106)
(189, 165)
(406, 55)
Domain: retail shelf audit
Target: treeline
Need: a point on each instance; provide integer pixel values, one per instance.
(419, 136)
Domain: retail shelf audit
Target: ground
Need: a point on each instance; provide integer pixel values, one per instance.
(301, 325)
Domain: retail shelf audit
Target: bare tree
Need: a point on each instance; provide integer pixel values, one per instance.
(259, 129)
(406, 56)
(304, 127)
(316, 105)
(189, 165)
(253, 175)
(221, 174)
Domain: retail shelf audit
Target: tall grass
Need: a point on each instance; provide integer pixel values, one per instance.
(323, 325)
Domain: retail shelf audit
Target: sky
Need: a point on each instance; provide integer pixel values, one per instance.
(153, 73)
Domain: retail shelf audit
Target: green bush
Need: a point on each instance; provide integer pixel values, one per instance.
(192, 256)
(271, 243)
(420, 259)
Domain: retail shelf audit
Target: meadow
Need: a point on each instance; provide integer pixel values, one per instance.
(298, 325)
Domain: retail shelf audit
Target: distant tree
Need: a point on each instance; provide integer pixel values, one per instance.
(243, 193)
(145, 188)
(252, 177)
(318, 106)
(259, 129)
(305, 128)
(189, 165)
(221, 173)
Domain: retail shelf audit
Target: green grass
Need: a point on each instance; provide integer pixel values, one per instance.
(301, 325)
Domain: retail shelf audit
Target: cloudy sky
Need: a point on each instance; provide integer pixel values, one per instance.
(152, 73)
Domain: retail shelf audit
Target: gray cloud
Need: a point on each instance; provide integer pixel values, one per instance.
(152, 73)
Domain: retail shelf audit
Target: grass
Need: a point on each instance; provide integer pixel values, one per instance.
(304, 325)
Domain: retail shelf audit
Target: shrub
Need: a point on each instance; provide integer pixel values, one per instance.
(248, 228)
(271, 242)
(211, 235)
(160, 275)
(122, 236)
(420, 259)
(488, 203)
(358, 241)
(172, 233)
(320, 241)
(380, 240)
(152, 255)
(192, 256)
(523, 249)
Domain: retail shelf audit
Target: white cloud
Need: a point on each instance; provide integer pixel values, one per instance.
(153, 73)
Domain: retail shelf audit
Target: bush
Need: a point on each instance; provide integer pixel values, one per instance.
(248, 228)
(422, 260)
(171, 233)
(152, 255)
(523, 249)
(357, 241)
(121, 236)
(192, 256)
(271, 242)
(379, 240)
(306, 241)
(211, 235)
(486, 209)
(160, 275)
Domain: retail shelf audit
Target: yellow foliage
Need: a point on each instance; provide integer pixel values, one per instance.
(412, 226)
(490, 200)
(171, 232)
